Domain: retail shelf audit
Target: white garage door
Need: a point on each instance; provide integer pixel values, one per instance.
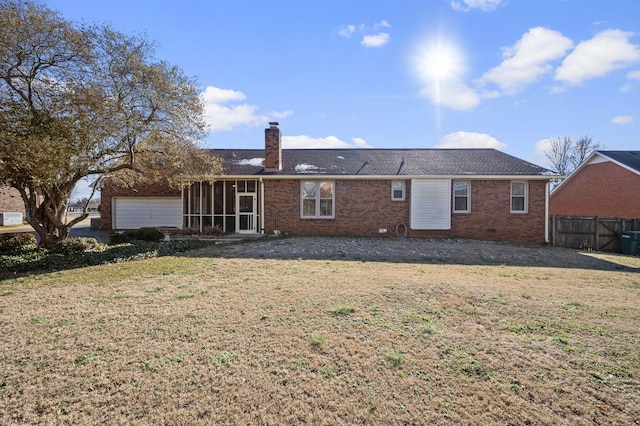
(136, 212)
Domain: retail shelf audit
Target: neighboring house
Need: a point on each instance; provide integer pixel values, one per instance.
(10, 201)
(606, 185)
(450, 193)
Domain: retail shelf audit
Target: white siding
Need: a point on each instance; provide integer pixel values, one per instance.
(431, 204)
(137, 212)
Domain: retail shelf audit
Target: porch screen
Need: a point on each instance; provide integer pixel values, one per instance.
(430, 204)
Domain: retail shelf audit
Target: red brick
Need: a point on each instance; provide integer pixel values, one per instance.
(601, 189)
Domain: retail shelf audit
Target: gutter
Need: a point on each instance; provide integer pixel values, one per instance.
(546, 212)
(387, 177)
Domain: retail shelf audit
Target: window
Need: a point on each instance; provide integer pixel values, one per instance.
(518, 197)
(461, 196)
(317, 199)
(397, 190)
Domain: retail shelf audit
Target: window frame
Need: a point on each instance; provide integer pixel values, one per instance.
(525, 197)
(467, 196)
(404, 190)
(317, 199)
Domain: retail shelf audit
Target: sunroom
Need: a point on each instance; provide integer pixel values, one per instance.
(232, 205)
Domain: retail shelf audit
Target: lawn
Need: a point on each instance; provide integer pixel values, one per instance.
(212, 337)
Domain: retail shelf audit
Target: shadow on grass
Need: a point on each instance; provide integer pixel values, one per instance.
(422, 251)
(353, 249)
(41, 262)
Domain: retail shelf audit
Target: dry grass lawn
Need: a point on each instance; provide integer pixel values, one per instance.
(240, 335)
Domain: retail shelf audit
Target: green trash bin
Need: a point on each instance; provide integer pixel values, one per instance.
(629, 241)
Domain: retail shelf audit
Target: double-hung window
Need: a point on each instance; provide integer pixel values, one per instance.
(518, 197)
(318, 199)
(461, 196)
(397, 190)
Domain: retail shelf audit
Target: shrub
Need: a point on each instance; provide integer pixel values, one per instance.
(79, 244)
(120, 237)
(213, 230)
(186, 231)
(142, 234)
(17, 243)
(149, 234)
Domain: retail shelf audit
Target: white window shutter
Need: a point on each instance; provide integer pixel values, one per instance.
(430, 204)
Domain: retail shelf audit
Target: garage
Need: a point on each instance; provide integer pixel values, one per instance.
(137, 212)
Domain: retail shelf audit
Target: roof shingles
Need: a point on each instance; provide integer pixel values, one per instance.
(382, 162)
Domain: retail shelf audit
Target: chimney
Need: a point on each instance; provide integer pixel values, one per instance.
(272, 148)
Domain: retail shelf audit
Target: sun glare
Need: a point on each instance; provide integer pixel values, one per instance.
(437, 61)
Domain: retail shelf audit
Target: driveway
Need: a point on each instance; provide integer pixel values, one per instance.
(81, 229)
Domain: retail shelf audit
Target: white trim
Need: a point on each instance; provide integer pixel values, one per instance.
(318, 199)
(546, 212)
(526, 197)
(453, 196)
(394, 177)
(404, 190)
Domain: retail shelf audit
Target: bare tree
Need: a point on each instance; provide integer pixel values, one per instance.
(582, 149)
(559, 154)
(78, 101)
(565, 155)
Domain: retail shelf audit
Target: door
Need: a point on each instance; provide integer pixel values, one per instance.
(246, 217)
(138, 212)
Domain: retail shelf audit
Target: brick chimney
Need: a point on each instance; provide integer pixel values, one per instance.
(272, 148)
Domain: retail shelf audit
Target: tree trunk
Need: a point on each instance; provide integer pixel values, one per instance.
(45, 215)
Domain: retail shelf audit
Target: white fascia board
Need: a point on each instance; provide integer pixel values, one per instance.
(402, 177)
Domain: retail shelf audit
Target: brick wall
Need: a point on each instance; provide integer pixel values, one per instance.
(362, 207)
(142, 190)
(10, 200)
(602, 189)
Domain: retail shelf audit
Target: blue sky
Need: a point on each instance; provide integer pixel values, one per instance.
(507, 74)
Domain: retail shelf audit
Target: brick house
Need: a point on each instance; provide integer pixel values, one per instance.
(451, 193)
(607, 184)
(10, 201)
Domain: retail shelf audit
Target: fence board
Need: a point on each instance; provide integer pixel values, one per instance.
(590, 232)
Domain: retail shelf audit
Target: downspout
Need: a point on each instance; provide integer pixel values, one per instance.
(546, 212)
(261, 206)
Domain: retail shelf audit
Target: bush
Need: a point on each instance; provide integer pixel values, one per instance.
(120, 237)
(142, 234)
(17, 243)
(149, 234)
(185, 231)
(46, 260)
(72, 245)
(213, 230)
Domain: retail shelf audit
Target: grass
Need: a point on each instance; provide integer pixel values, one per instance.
(204, 339)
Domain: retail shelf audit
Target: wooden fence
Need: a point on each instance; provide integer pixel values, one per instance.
(590, 232)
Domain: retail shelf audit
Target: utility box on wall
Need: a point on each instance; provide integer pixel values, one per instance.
(10, 218)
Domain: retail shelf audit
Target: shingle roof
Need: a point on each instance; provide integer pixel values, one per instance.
(382, 162)
(628, 158)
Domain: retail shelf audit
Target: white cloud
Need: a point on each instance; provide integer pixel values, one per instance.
(540, 153)
(371, 34)
(220, 116)
(467, 5)
(451, 94)
(622, 119)
(634, 75)
(375, 40)
(528, 59)
(381, 24)
(470, 140)
(304, 141)
(347, 31)
(606, 51)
